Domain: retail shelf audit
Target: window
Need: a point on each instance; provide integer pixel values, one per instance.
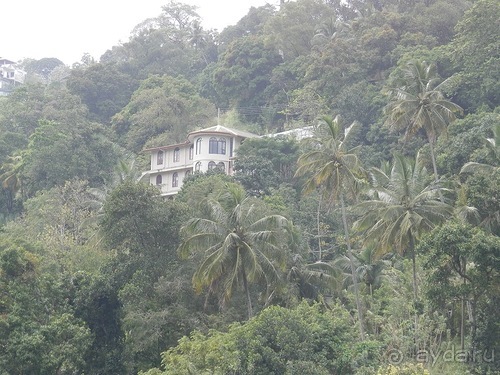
(198, 146)
(221, 166)
(212, 145)
(177, 154)
(159, 157)
(188, 173)
(197, 166)
(191, 150)
(175, 179)
(211, 165)
(222, 146)
(158, 179)
(217, 146)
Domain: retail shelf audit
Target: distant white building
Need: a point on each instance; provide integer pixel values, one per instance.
(298, 134)
(206, 149)
(10, 76)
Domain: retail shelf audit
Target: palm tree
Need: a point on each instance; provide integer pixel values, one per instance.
(370, 268)
(310, 280)
(11, 178)
(491, 219)
(331, 165)
(402, 206)
(240, 243)
(493, 147)
(418, 104)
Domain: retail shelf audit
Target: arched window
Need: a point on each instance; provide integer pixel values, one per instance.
(188, 173)
(212, 145)
(198, 146)
(175, 179)
(221, 166)
(177, 154)
(197, 166)
(217, 146)
(191, 151)
(211, 165)
(158, 179)
(222, 146)
(159, 157)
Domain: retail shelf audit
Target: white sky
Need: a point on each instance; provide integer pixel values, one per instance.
(66, 29)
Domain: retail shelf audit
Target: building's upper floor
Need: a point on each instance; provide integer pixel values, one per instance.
(205, 149)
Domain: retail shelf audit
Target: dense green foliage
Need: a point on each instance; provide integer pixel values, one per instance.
(306, 339)
(351, 257)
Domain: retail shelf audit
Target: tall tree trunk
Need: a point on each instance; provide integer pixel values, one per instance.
(434, 167)
(433, 158)
(414, 268)
(353, 270)
(319, 229)
(462, 322)
(247, 292)
(415, 289)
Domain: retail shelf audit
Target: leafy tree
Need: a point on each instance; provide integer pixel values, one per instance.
(402, 205)
(252, 23)
(418, 104)
(41, 68)
(53, 342)
(240, 242)
(330, 164)
(465, 142)
(162, 45)
(306, 339)
(463, 262)
(162, 104)
(103, 88)
(481, 191)
(292, 29)
(243, 73)
(265, 163)
(197, 187)
(475, 51)
(60, 152)
(138, 221)
(22, 109)
(147, 285)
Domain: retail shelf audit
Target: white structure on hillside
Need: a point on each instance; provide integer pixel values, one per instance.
(10, 75)
(206, 149)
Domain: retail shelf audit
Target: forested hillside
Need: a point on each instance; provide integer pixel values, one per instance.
(371, 247)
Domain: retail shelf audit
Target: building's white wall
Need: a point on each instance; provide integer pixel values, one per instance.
(168, 159)
(204, 157)
(166, 187)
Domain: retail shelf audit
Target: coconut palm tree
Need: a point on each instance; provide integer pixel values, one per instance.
(11, 178)
(493, 147)
(490, 219)
(239, 242)
(330, 164)
(370, 268)
(418, 104)
(402, 205)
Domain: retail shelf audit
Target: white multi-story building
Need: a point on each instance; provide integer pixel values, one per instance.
(206, 149)
(10, 75)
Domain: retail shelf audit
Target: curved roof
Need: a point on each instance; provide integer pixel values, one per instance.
(219, 129)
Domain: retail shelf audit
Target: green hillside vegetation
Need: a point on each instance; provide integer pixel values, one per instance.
(372, 247)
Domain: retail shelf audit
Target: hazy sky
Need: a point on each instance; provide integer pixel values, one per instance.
(66, 29)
